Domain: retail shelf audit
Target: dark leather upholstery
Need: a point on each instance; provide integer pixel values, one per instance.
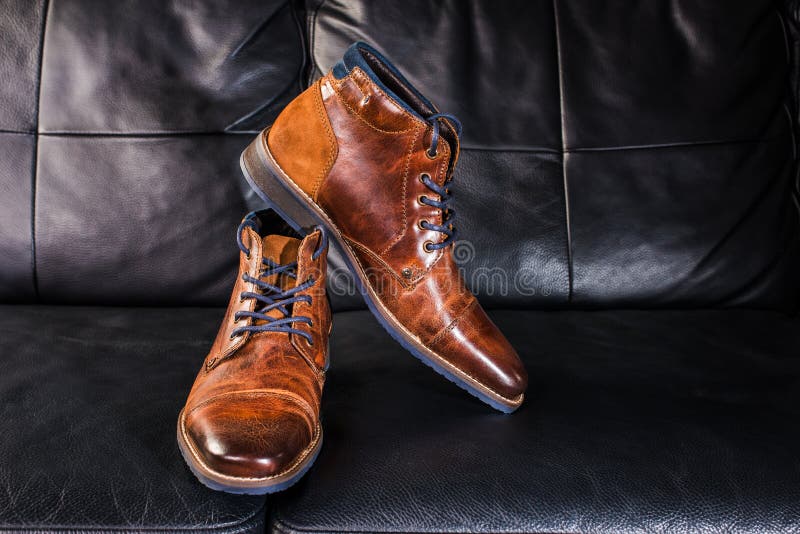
(637, 421)
(89, 398)
(591, 167)
(623, 154)
(657, 421)
(635, 155)
(20, 33)
(136, 115)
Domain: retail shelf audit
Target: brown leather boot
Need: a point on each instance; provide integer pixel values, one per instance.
(363, 154)
(251, 422)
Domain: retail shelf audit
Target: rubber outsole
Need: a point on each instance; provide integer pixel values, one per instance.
(280, 194)
(242, 486)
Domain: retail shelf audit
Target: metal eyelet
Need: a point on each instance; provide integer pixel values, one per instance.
(424, 175)
(426, 246)
(431, 156)
(419, 200)
(419, 224)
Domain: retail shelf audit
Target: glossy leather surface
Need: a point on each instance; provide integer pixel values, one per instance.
(253, 410)
(697, 430)
(91, 396)
(20, 33)
(167, 68)
(372, 186)
(632, 227)
(636, 421)
(120, 132)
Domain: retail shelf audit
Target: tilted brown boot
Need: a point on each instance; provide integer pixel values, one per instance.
(363, 154)
(251, 422)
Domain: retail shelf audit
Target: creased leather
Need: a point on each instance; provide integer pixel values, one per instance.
(372, 193)
(254, 407)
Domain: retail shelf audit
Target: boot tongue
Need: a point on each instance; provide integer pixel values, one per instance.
(279, 250)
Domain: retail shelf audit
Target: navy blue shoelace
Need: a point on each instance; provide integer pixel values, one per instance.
(271, 296)
(448, 214)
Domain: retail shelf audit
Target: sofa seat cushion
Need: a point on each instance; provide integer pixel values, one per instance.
(635, 421)
(89, 398)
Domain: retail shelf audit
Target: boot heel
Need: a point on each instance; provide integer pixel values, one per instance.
(260, 173)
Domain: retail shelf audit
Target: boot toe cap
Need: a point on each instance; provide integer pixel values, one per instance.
(247, 437)
(478, 348)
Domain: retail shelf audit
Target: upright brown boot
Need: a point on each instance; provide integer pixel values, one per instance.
(363, 154)
(251, 422)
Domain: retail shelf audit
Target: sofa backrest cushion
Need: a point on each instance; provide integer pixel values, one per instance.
(640, 155)
(121, 126)
(634, 155)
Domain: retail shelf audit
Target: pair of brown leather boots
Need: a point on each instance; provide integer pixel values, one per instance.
(361, 160)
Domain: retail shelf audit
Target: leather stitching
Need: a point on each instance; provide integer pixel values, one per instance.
(332, 144)
(304, 350)
(255, 393)
(227, 348)
(366, 79)
(385, 266)
(444, 331)
(337, 89)
(317, 430)
(463, 374)
(403, 195)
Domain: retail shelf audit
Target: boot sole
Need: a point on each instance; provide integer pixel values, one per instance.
(281, 193)
(243, 485)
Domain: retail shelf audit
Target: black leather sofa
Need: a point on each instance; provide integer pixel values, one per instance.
(627, 193)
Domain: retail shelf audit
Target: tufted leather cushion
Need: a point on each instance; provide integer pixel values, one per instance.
(639, 154)
(120, 131)
(636, 156)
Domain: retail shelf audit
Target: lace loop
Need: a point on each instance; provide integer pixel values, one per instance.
(272, 296)
(434, 122)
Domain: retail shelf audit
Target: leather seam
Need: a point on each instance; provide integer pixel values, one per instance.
(337, 89)
(305, 351)
(447, 329)
(317, 431)
(404, 195)
(385, 266)
(564, 153)
(333, 148)
(358, 264)
(229, 349)
(35, 158)
(361, 74)
(255, 393)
